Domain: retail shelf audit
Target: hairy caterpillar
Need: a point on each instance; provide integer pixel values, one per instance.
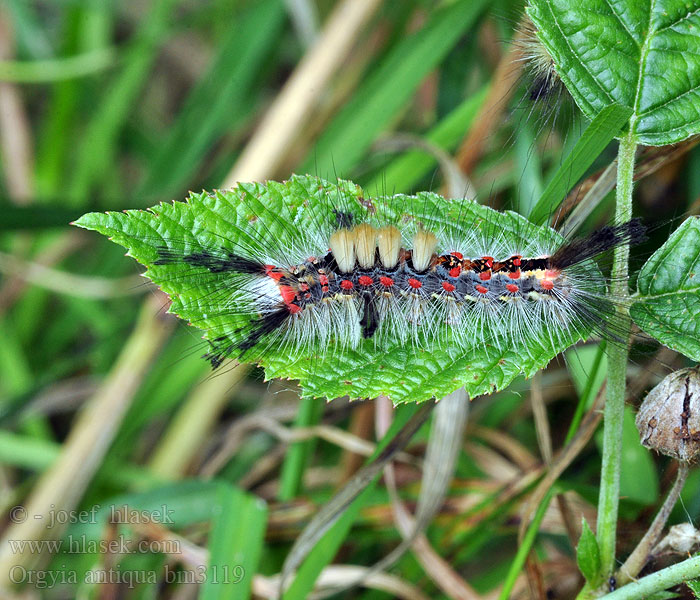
(312, 279)
(367, 282)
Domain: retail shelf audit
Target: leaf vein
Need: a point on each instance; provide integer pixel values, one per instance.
(576, 54)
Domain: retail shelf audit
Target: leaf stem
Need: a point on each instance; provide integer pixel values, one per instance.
(656, 582)
(617, 369)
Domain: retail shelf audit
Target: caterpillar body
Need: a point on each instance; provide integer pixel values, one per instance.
(367, 285)
(351, 294)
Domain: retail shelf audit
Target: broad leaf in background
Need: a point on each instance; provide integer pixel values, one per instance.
(252, 213)
(641, 54)
(668, 301)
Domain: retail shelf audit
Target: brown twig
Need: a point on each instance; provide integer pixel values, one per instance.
(294, 105)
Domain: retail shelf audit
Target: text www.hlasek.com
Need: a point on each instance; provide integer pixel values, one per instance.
(83, 545)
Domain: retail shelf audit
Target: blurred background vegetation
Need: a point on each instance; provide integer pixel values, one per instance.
(105, 401)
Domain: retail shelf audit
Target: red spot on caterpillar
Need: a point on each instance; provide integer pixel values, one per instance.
(448, 287)
(324, 288)
(304, 287)
(485, 276)
(458, 255)
(386, 281)
(270, 271)
(455, 272)
(547, 284)
(511, 287)
(552, 274)
(288, 294)
(294, 308)
(489, 261)
(323, 279)
(517, 260)
(365, 280)
(514, 274)
(415, 284)
(346, 284)
(481, 289)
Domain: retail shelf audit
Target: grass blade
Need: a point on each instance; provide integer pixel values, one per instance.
(597, 136)
(235, 544)
(388, 89)
(319, 542)
(218, 100)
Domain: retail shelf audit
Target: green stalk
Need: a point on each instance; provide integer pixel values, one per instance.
(516, 567)
(617, 370)
(656, 582)
(296, 459)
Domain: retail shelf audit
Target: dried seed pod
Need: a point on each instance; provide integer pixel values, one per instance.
(669, 418)
(681, 539)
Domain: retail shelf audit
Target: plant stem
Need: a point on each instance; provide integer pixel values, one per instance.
(656, 582)
(636, 561)
(310, 411)
(617, 369)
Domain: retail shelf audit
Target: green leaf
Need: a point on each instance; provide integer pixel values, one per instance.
(663, 595)
(297, 455)
(667, 305)
(604, 127)
(639, 481)
(217, 100)
(389, 88)
(97, 148)
(694, 585)
(251, 214)
(321, 539)
(402, 173)
(235, 544)
(588, 555)
(641, 54)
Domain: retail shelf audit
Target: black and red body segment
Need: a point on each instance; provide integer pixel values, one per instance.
(465, 281)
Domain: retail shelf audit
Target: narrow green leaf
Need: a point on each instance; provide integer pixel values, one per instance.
(645, 55)
(40, 453)
(297, 455)
(588, 371)
(401, 174)
(32, 36)
(588, 555)
(529, 186)
(388, 89)
(516, 567)
(96, 151)
(235, 544)
(58, 69)
(319, 550)
(182, 504)
(218, 99)
(604, 127)
(667, 304)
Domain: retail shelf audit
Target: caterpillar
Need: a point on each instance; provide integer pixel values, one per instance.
(368, 285)
(306, 274)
